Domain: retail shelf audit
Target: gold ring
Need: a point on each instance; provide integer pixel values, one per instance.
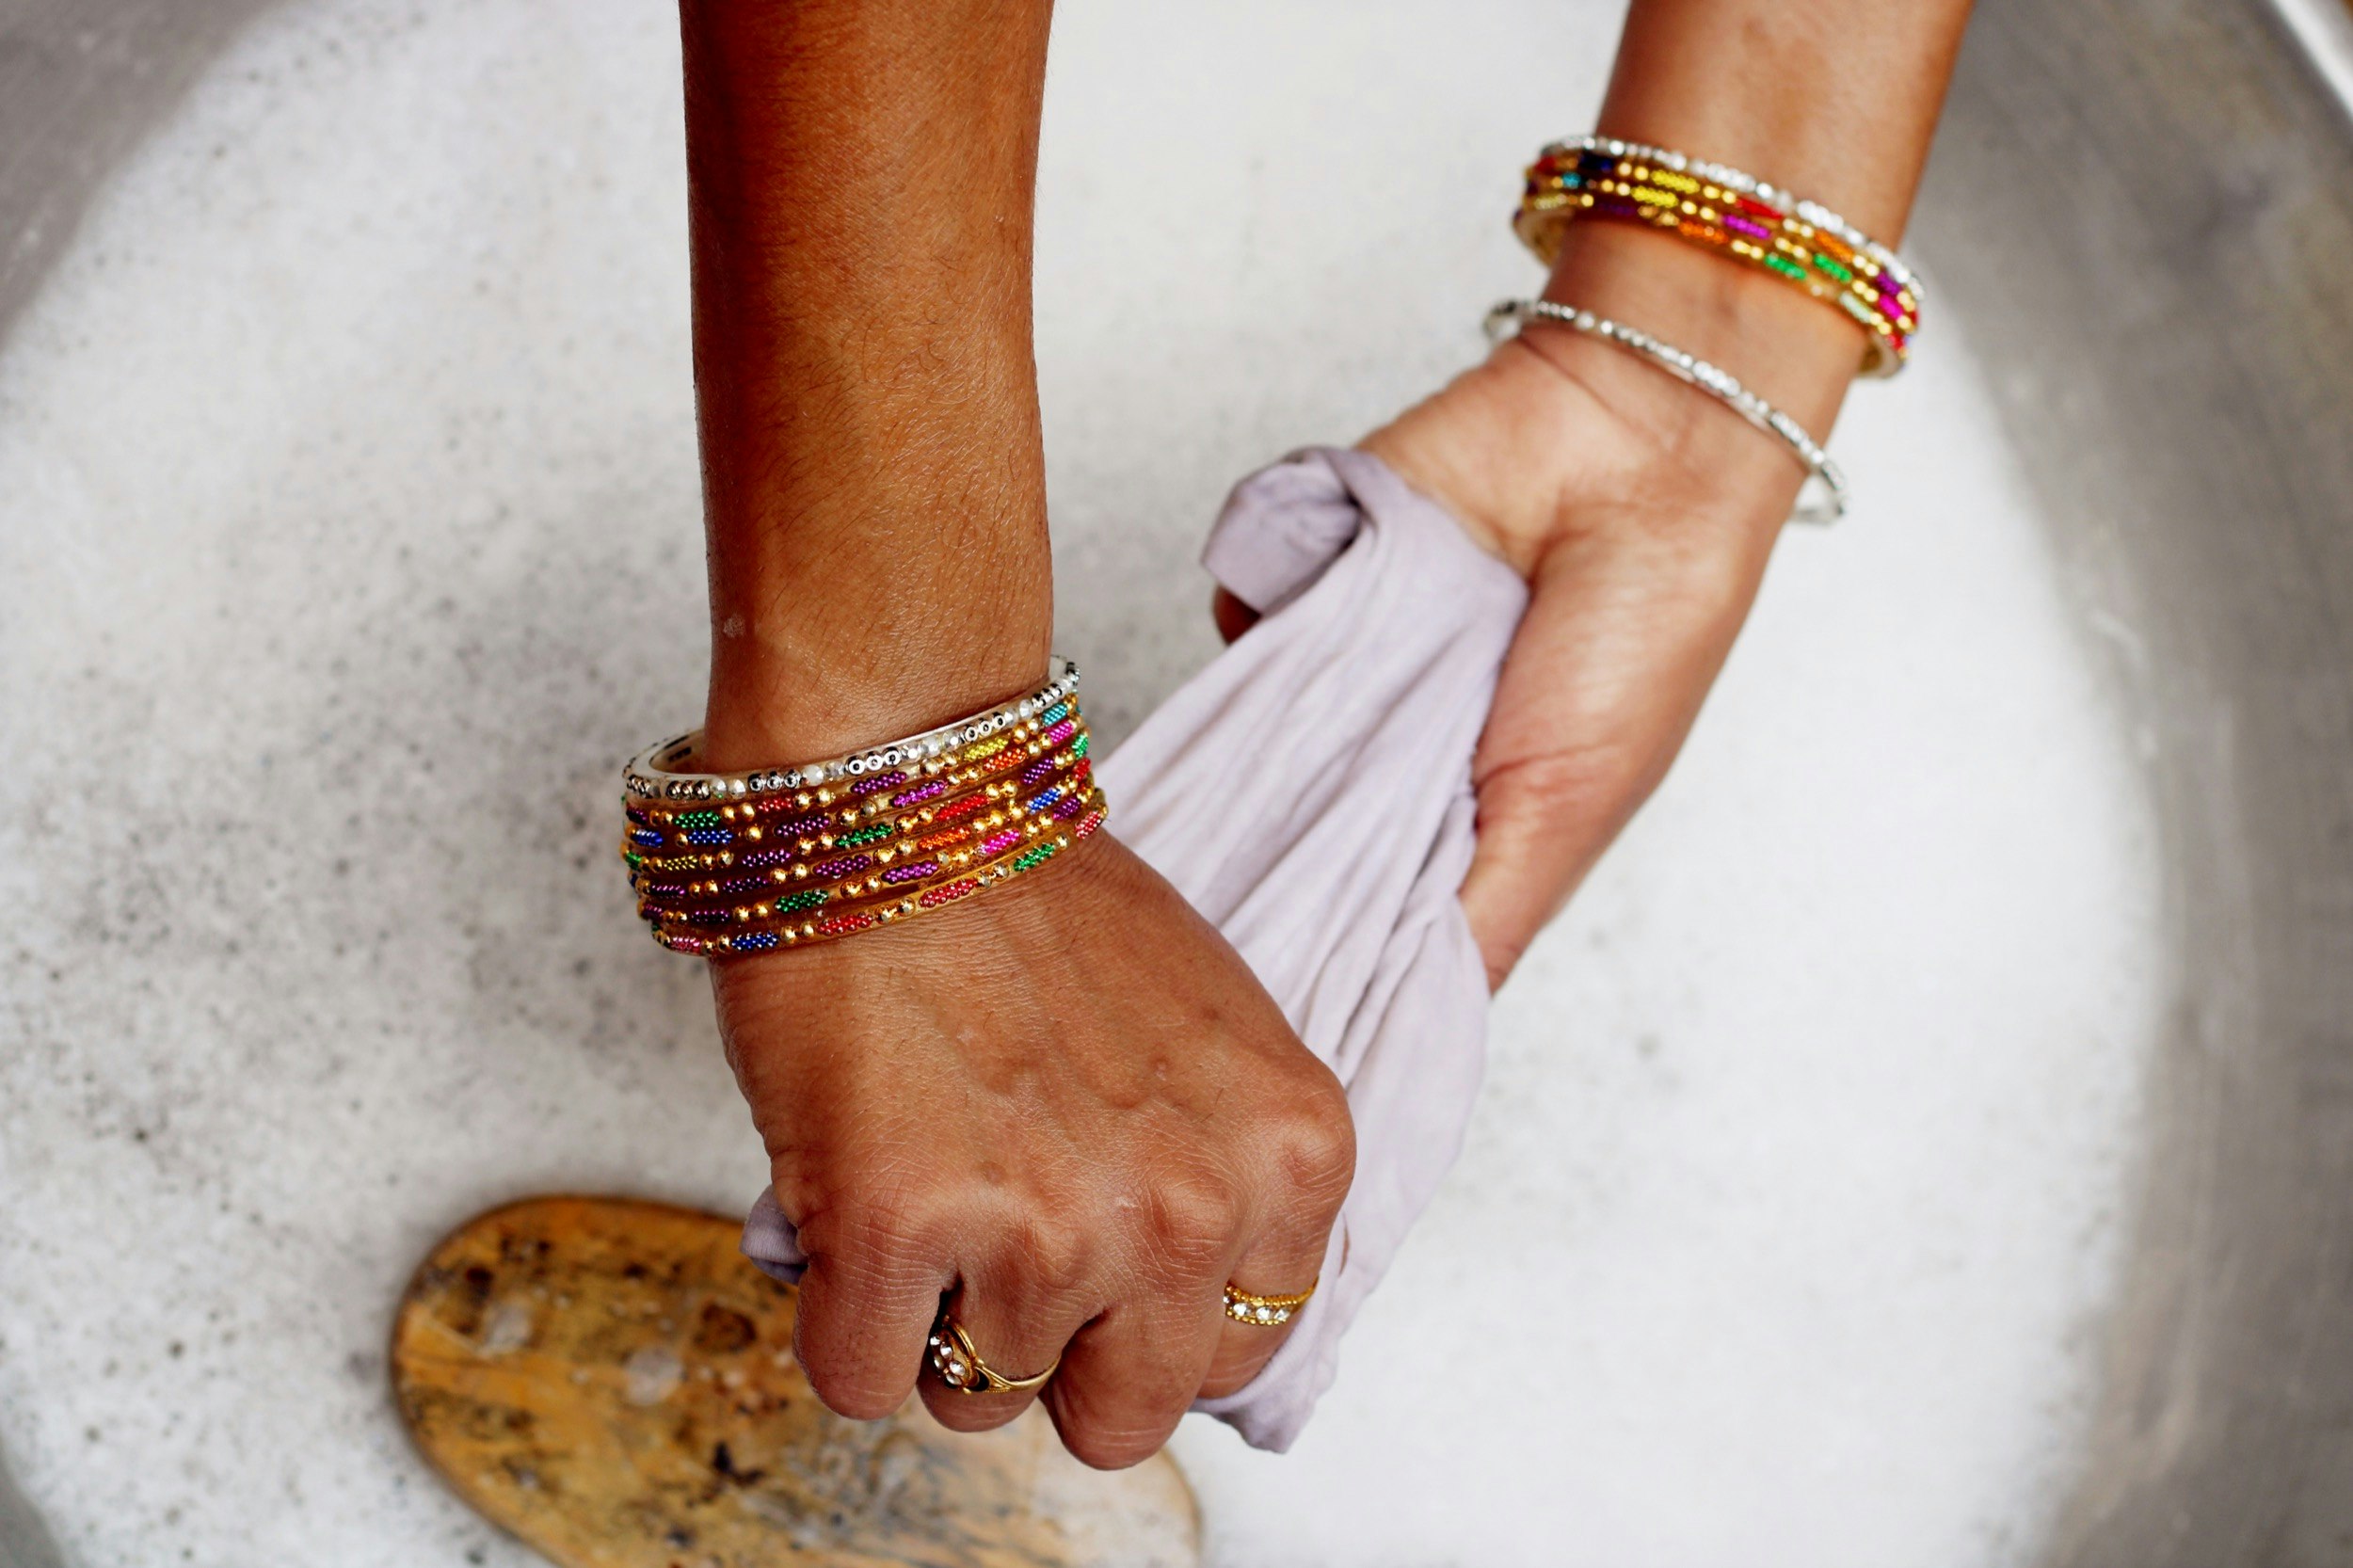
(1265, 1311)
(960, 1366)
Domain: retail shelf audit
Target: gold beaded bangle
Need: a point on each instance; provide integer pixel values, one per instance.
(958, 808)
(912, 903)
(887, 869)
(1733, 214)
(797, 849)
(808, 905)
(831, 814)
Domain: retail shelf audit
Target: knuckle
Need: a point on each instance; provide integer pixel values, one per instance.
(842, 1383)
(1193, 1216)
(1110, 1451)
(879, 1221)
(1057, 1254)
(1594, 781)
(1111, 1444)
(850, 1397)
(1314, 1143)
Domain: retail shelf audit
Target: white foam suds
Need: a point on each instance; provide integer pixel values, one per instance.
(347, 541)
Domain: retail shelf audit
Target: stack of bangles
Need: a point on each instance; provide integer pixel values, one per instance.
(727, 864)
(1742, 218)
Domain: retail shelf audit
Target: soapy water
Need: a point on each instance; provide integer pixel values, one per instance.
(348, 540)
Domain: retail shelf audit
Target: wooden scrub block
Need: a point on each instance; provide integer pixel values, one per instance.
(611, 1380)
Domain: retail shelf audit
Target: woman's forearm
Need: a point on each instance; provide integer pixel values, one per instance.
(860, 178)
(1835, 100)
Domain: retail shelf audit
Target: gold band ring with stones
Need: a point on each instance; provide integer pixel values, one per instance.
(1264, 1311)
(960, 1366)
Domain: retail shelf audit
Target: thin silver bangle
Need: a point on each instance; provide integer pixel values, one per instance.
(650, 775)
(1827, 507)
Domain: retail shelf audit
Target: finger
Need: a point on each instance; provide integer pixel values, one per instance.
(1273, 1269)
(1310, 1163)
(1129, 1376)
(1020, 1324)
(1568, 758)
(1542, 826)
(865, 1309)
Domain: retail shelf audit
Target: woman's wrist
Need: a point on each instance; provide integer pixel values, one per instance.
(805, 687)
(1557, 434)
(879, 559)
(1786, 348)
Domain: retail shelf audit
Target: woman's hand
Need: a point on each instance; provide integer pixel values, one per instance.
(1067, 1106)
(1642, 513)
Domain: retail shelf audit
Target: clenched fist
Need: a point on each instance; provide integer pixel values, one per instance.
(1067, 1109)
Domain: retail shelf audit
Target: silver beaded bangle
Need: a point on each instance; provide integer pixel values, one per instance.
(1828, 505)
(648, 774)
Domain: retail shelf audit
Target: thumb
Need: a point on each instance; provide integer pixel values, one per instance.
(1543, 823)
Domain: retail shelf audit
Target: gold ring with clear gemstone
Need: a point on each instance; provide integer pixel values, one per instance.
(960, 1366)
(1264, 1311)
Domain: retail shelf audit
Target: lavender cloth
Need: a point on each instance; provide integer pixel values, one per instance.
(1357, 700)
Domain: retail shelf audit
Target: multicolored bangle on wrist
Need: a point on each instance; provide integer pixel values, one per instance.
(816, 915)
(870, 858)
(650, 775)
(749, 862)
(704, 836)
(1802, 242)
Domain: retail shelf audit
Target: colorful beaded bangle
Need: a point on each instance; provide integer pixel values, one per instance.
(1735, 213)
(1828, 507)
(806, 911)
(914, 875)
(927, 786)
(797, 858)
(820, 867)
(807, 841)
(849, 921)
(870, 798)
(748, 837)
(650, 775)
(824, 871)
(740, 863)
(824, 854)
